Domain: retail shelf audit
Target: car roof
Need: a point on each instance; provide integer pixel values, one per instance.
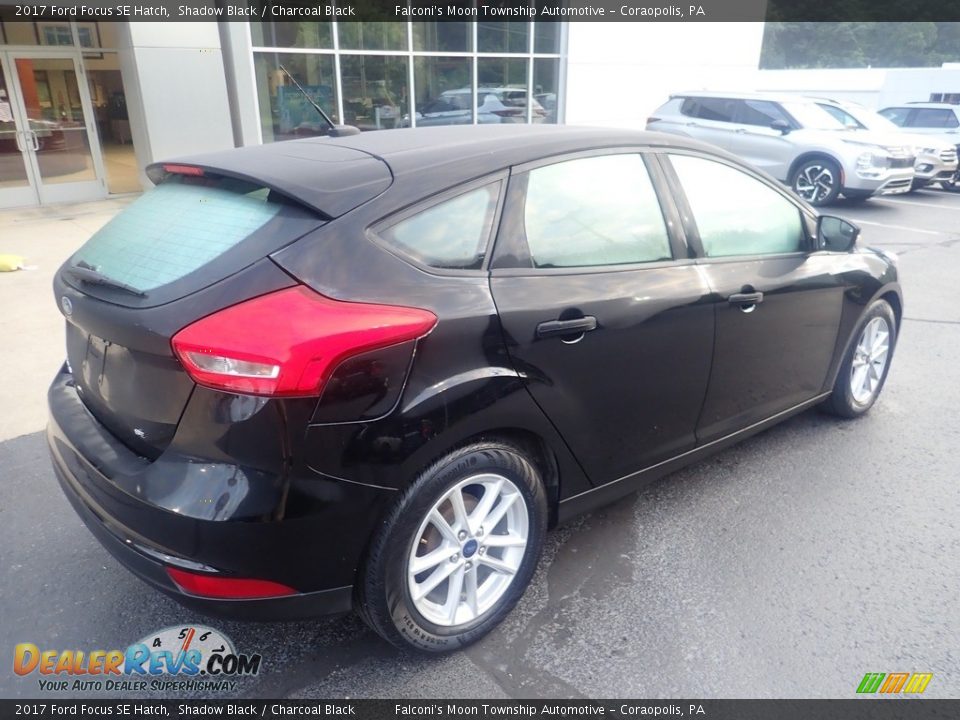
(925, 105)
(772, 97)
(335, 175)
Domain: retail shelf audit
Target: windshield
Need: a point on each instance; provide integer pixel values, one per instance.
(870, 119)
(812, 116)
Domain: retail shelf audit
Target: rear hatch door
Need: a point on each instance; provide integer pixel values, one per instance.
(193, 245)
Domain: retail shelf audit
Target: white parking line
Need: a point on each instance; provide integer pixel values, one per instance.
(898, 227)
(928, 206)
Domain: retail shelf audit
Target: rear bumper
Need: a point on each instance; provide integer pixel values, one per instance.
(146, 516)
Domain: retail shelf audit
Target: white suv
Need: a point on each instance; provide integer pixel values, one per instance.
(936, 157)
(940, 120)
(794, 140)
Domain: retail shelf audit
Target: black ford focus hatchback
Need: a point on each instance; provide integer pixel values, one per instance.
(369, 372)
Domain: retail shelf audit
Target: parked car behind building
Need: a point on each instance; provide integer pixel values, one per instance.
(794, 140)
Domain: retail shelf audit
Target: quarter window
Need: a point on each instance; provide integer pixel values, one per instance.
(737, 214)
(452, 234)
(896, 115)
(594, 211)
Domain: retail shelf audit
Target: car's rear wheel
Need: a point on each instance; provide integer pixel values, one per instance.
(817, 181)
(457, 551)
(866, 364)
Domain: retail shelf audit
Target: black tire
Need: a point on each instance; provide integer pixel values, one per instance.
(857, 196)
(383, 596)
(842, 401)
(951, 185)
(825, 176)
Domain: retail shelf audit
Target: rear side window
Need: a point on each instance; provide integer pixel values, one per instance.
(594, 211)
(717, 109)
(735, 213)
(933, 118)
(452, 234)
(176, 228)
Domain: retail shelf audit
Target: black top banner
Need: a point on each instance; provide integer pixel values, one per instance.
(485, 10)
(865, 709)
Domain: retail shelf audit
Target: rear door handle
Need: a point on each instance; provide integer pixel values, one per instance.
(567, 327)
(746, 301)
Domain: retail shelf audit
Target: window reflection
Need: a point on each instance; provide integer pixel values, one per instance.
(284, 111)
(375, 94)
(444, 93)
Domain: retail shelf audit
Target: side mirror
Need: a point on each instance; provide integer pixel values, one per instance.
(781, 125)
(836, 234)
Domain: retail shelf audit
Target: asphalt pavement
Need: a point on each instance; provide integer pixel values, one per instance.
(787, 566)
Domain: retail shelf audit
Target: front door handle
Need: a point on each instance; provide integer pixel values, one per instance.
(747, 301)
(574, 326)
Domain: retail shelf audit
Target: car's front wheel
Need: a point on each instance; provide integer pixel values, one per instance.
(457, 551)
(817, 181)
(952, 185)
(866, 364)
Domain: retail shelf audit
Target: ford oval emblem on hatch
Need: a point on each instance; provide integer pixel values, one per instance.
(66, 305)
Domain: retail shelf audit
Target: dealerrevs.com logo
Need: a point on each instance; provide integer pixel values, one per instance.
(175, 659)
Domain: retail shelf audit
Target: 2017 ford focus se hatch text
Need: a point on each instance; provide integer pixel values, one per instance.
(371, 371)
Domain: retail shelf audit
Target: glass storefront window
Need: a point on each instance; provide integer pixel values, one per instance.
(503, 37)
(462, 73)
(291, 34)
(285, 113)
(443, 36)
(375, 90)
(444, 93)
(546, 86)
(372, 36)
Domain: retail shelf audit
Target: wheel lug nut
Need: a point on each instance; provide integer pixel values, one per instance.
(462, 534)
(469, 565)
(454, 557)
(483, 550)
(479, 531)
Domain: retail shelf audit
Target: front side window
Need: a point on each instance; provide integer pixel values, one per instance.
(594, 211)
(761, 112)
(896, 115)
(716, 109)
(452, 234)
(735, 213)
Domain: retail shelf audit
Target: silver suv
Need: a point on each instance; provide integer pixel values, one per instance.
(794, 140)
(939, 120)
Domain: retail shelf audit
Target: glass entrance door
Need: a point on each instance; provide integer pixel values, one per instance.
(16, 187)
(50, 130)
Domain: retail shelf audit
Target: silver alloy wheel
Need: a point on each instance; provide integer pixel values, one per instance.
(869, 360)
(814, 183)
(468, 549)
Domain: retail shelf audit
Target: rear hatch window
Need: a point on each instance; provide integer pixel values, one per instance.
(184, 235)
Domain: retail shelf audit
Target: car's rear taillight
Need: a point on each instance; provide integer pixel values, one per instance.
(288, 342)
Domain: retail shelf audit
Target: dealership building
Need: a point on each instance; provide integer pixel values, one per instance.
(85, 106)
